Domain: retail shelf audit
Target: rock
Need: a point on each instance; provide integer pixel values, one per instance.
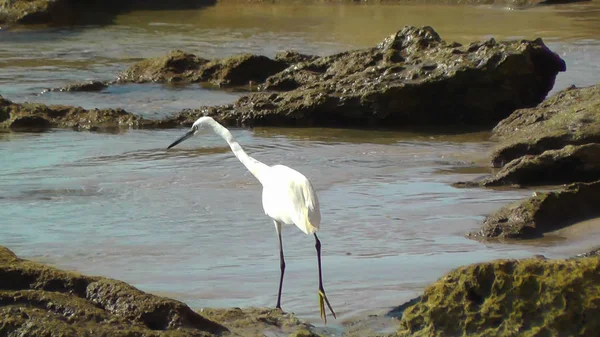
(40, 116)
(259, 322)
(179, 66)
(291, 57)
(37, 300)
(554, 143)
(411, 78)
(572, 163)
(532, 297)
(85, 86)
(593, 252)
(542, 213)
(23, 11)
(570, 117)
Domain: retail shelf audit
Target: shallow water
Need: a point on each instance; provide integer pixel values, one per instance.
(188, 222)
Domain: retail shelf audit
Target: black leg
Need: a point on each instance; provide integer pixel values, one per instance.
(322, 295)
(281, 265)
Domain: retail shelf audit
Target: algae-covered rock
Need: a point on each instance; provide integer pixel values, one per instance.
(412, 78)
(37, 300)
(543, 212)
(179, 66)
(570, 117)
(532, 297)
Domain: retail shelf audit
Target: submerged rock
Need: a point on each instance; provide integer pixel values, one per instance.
(37, 300)
(532, 297)
(412, 78)
(85, 86)
(544, 212)
(179, 66)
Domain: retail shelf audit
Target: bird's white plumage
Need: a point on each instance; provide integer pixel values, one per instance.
(288, 197)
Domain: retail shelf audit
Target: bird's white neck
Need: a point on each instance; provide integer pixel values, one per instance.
(254, 166)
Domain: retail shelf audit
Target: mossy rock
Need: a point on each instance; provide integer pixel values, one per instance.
(532, 297)
(544, 212)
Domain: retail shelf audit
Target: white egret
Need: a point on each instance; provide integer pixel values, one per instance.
(288, 198)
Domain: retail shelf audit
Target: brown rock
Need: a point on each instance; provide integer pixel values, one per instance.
(542, 213)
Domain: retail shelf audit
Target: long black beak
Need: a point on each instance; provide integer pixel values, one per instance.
(182, 138)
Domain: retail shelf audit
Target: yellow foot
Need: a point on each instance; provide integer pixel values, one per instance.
(322, 300)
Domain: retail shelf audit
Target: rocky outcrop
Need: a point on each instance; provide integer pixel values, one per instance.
(570, 117)
(572, 163)
(412, 78)
(182, 67)
(39, 116)
(85, 86)
(544, 212)
(556, 142)
(259, 322)
(36, 300)
(39, 301)
(532, 297)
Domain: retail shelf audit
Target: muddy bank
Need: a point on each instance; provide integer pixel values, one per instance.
(37, 300)
(65, 12)
(532, 297)
(411, 78)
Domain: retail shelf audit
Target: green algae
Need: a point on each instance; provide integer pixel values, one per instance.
(533, 297)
